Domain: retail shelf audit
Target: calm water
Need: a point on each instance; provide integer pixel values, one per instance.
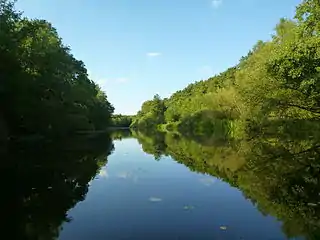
(162, 186)
(136, 197)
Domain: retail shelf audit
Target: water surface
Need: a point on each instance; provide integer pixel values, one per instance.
(136, 196)
(163, 186)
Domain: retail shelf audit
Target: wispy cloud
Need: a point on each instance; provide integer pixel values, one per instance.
(207, 181)
(128, 175)
(153, 54)
(121, 80)
(124, 175)
(216, 3)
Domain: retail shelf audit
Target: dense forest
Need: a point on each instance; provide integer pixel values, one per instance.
(44, 89)
(121, 121)
(277, 80)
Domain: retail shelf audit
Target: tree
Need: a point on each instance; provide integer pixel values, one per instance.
(151, 114)
(277, 79)
(47, 89)
(308, 16)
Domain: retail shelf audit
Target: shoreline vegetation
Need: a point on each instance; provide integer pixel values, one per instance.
(44, 91)
(277, 81)
(255, 126)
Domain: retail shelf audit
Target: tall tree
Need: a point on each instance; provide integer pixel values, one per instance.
(44, 89)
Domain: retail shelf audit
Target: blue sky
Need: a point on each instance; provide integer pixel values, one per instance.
(137, 48)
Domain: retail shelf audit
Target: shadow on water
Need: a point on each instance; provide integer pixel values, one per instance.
(43, 180)
(278, 170)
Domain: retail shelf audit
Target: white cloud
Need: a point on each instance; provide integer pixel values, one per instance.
(121, 80)
(216, 3)
(153, 54)
(207, 181)
(128, 176)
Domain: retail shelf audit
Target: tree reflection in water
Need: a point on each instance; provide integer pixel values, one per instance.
(43, 180)
(277, 168)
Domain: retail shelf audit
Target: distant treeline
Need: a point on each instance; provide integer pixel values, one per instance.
(44, 89)
(121, 121)
(277, 79)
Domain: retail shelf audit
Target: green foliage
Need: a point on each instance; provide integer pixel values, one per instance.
(155, 145)
(278, 169)
(278, 79)
(121, 121)
(151, 114)
(308, 15)
(44, 89)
